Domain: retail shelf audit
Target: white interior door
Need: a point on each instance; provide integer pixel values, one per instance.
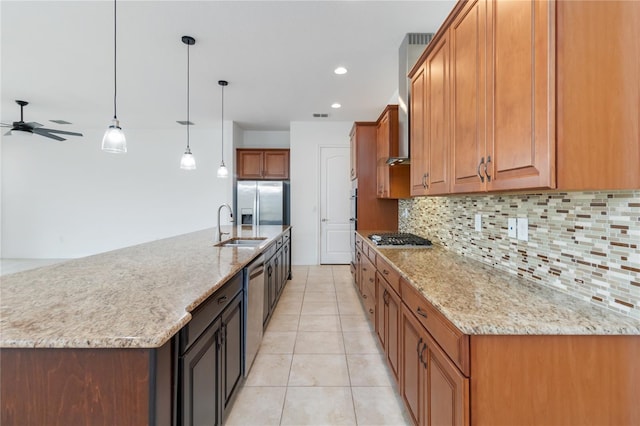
(335, 186)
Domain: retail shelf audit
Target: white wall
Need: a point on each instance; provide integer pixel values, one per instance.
(265, 139)
(306, 139)
(70, 199)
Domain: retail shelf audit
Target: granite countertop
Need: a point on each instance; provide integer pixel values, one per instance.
(136, 297)
(480, 299)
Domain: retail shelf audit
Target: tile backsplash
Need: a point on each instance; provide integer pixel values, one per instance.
(583, 243)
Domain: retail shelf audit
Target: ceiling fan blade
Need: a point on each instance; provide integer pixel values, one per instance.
(48, 135)
(33, 124)
(62, 132)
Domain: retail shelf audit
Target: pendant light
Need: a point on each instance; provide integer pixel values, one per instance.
(222, 170)
(188, 161)
(113, 140)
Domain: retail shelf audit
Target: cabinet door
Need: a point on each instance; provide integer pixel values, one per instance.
(392, 319)
(437, 123)
(269, 291)
(412, 370)
(448, 389)
(419, 155)
(249, 164)
(279, 272)
(521, 142)
(468, 103)
(231, 351)
(381, 295)
(276, 164)
(199, 373)
(382, 143)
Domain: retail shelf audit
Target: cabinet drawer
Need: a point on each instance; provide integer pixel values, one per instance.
(450, 339)
(369, 299)
(371, 252)
(208, 310)
(390, 274)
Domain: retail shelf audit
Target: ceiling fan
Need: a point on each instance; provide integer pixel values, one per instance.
(33, 127)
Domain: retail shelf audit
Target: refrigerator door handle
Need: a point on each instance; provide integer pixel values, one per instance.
(257, 203)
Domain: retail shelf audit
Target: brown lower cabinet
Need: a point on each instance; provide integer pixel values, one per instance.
(446, 377)
(434, 391)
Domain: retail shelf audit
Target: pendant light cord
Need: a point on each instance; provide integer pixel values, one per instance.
(222, 126)
(115, 59)
(188, 74)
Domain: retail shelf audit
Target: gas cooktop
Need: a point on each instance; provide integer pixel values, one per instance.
(401, 239)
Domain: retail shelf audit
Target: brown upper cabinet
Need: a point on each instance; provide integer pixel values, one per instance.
(393, 181)
(263, 163)
(541, 95)
(430, 123)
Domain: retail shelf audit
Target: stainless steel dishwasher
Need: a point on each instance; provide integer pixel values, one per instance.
(254, 284)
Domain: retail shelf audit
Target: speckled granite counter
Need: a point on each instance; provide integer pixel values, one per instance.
(479, 299)
(138, 296)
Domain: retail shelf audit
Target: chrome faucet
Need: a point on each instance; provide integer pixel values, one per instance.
(220, 233)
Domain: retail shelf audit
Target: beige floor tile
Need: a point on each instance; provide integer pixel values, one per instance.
(291, 307)
(319, 370)
(320, 308)
(355, 323)
(257, 406)
(278, 342)
(318, 406)
(350, 307)
(316, 285)
(347, 295)
(283, 322)
(319, 342)
(270, 370)
(378, 406)
(319, 323)
(291, 297)
(357, 342)
(296, 285)
(319, 296)
(368, 370)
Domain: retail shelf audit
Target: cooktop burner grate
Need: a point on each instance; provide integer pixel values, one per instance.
(398, 239)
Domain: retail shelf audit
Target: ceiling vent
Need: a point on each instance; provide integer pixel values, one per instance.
(319, 115)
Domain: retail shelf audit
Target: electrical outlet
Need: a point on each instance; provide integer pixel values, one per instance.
(478, 223)
(512, 229)
(523, 228)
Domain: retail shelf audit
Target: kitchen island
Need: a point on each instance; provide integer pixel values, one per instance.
(92, 340)
(469, 344)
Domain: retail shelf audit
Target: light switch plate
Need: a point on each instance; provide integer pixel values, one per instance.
(478, 222)
(511, 227)
(523, 229)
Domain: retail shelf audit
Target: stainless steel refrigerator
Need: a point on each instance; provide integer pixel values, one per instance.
(262, 202)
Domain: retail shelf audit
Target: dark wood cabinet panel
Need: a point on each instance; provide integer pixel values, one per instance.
(262, 164)
(83, 386)
(231, 351)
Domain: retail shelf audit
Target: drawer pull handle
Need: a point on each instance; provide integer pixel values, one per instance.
(384, 271)
(370, 280)
(370, 310)
(364, 296)
(222, 299)
(421, 312)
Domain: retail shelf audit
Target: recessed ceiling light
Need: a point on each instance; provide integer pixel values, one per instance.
(340, 70)
(335, 105)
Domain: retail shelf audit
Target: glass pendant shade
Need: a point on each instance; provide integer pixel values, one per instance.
(188, 161)
(113, 140)
(223, 172)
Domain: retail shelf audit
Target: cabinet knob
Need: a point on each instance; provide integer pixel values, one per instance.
(370, 310)
(364, 296)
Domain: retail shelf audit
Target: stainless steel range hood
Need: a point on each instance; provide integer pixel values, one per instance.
(410, 50)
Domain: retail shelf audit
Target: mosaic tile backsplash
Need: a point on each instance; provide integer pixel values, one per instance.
(586, 244)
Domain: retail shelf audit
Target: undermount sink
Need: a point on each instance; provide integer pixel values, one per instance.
(241, 242)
